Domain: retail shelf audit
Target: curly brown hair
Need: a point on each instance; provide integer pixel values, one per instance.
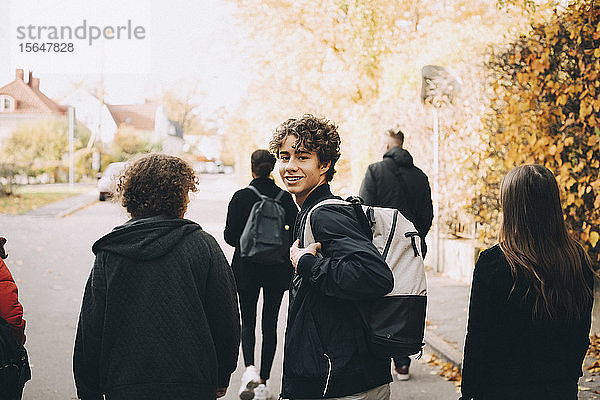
(314, 134)
(156, 184)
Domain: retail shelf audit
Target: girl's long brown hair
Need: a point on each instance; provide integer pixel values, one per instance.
(537, 245)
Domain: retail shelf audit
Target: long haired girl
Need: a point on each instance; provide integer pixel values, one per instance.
(531, 299)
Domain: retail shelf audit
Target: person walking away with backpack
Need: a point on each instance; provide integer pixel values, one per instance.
(260, 261)
(159, 318)
(12, 335)
(531, 299)
(397, 183)
(326, 347)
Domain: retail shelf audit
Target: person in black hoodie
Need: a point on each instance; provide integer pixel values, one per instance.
(251, 277)
(159, 317)
(395, 182)
(326, 353)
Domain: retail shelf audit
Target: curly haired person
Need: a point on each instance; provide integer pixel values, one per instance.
(159, 317)
(324, 353)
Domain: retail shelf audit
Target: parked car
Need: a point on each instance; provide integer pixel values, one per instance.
(107, 183)
(208, 167)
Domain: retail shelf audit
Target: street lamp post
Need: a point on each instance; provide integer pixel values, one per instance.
(438, 88)
(436, 186)
(71, 133)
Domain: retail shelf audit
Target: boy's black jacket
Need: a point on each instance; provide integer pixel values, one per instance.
(159, 318)
(325, 351)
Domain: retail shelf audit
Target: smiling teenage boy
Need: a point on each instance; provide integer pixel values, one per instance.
(325, 354)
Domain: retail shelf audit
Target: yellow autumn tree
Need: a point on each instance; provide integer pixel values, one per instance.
(359, 64)
(545, 110)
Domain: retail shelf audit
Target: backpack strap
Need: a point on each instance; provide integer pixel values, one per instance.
(308, 236)
(363, 219)
(279, 195)
(259, 194)
(262, 196)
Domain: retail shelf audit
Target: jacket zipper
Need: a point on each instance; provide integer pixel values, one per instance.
(328, 374)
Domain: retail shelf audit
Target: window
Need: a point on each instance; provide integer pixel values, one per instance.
(7, 103)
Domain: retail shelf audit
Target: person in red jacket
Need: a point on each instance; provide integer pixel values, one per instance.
(10, 308)
(11, 312)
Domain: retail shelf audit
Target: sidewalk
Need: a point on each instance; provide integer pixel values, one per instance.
(447, 313)
(221, 189)
(67, 206)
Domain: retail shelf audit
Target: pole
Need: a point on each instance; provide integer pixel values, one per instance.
(71, 133)
(436, 186)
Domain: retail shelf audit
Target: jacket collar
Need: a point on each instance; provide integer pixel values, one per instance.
(259, 181)
(318, 194)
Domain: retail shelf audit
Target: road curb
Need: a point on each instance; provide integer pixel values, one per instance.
(441, 348)
(76, 208)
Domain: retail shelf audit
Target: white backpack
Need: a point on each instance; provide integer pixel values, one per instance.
(395, 323)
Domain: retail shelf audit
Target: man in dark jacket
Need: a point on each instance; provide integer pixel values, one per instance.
(395, 182)
(159, 318)
(325, 353)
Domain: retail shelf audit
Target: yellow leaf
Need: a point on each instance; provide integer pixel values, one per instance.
(597, 52)
(594, 236)
(585, 109)
(532, 140)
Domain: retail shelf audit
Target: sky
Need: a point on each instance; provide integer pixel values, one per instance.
(183, 43)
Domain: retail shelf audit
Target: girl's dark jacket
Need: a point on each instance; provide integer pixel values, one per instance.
(508, 354)
(159, 318)
(326, 353)
(249, 274)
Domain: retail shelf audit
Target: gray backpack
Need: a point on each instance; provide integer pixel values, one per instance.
(265, 238)
(395, 323)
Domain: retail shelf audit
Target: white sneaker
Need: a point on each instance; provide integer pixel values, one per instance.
(261, 393)
(250, 380)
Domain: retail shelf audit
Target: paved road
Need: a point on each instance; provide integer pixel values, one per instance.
(51, 259)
